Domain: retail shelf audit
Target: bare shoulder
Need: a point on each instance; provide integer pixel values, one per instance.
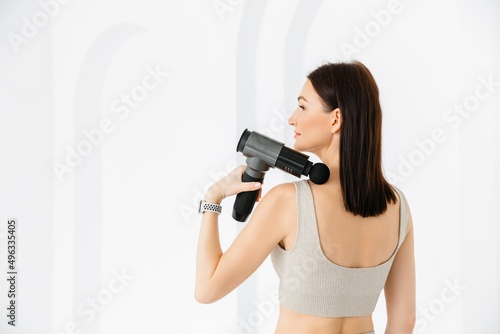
(410, 220)
(282, 194)
(278, 201)
(282, 189)
(404, 201)
(278, 206)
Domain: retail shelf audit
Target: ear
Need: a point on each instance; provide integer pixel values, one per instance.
(335, 120)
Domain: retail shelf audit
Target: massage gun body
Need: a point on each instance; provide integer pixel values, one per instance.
(263, 153)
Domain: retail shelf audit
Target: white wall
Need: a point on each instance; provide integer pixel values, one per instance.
(107, 245)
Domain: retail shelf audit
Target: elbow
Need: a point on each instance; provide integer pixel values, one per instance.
(209, 291)
(402, 326)
(410, 323)
(204, 296)
(203, 299)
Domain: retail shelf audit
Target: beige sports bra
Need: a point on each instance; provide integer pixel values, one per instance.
(312, 284)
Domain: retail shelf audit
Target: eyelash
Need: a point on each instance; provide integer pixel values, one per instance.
(302, 107)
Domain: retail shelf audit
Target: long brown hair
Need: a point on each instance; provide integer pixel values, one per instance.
(351, 87)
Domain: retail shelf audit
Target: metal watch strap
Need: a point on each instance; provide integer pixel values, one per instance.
(211, 207)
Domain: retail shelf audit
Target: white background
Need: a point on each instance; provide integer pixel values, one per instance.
(127, 208)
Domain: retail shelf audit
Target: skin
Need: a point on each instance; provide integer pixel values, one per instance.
(345, 239)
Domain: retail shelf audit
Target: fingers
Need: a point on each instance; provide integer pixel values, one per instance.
(250, 186)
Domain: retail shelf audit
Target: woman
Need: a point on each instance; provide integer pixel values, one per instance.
(334, 246)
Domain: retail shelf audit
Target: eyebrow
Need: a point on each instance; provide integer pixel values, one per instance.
(303, 98)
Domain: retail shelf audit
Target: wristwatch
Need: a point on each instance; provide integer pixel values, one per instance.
(211, 207)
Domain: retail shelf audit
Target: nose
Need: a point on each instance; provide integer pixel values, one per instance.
(292, 121)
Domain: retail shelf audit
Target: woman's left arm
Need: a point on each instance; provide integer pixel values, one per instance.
(218, 273)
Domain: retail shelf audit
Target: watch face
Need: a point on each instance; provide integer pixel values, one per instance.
(200, 206)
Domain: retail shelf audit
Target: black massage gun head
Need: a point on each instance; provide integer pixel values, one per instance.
(319, 174)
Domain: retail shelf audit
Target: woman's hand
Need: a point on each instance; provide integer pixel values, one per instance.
(229, 185)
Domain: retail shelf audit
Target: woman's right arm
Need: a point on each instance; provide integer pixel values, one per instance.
(399, 288)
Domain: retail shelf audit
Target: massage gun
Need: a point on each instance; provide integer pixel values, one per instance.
(263, 153)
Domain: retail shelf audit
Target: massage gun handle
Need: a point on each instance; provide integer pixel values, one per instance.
(243, 205)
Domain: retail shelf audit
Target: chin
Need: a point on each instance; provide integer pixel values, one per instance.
(298, 147)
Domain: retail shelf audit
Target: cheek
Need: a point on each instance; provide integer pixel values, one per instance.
(317, 128)
(315, 132)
